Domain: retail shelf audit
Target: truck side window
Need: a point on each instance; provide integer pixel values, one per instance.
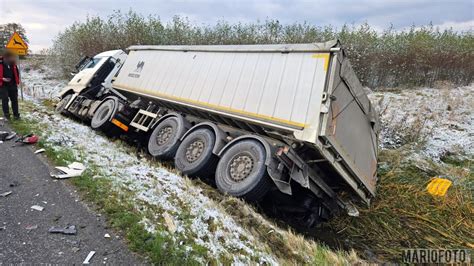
(93, 62)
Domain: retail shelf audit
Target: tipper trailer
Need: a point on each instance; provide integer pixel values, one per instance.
(287, 121)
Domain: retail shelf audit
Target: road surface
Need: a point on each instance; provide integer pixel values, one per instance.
(24, 236)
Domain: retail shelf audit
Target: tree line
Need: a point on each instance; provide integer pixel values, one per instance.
(418, 56)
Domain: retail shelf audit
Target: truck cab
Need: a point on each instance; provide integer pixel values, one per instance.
(92, 76)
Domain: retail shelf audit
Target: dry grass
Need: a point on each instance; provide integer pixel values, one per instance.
(289, 247)
(404, 215)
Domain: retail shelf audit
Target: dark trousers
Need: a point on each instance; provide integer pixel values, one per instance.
(9, 93)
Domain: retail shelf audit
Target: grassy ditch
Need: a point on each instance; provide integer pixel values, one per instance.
(120, 211)
(125, 214)
(404, 215)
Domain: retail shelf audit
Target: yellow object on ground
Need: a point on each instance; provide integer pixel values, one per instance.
(438, 186)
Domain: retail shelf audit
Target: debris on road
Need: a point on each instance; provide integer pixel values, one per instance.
(40, 151)
(107, 236)
(31, 227)
(37, 208)
(28, 139)
(72, 170)
(68, 230)
(89, 257)
(11, 136)
(3, 135)
(4, 194)
(3, 228)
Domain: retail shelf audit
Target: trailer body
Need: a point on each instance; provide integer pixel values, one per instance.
(303, 102)
(307, 90)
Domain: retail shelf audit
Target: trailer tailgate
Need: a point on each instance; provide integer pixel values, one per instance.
(351, 126)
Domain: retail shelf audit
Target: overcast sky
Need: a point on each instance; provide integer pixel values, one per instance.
(43, 19)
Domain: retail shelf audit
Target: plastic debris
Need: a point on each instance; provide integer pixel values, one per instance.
(89, 257)
(10, 136)
(68, 230)
(31, 227)
(37, 208)
(107, 236)
(3, 135)
(40, 151)
(72, 170)
(438, 186)
(4, 194)
(28, 139)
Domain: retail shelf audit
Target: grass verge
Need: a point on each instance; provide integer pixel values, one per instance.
(163, 248)
(159, 248)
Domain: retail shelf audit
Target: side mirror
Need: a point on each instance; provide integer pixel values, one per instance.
(73, 73)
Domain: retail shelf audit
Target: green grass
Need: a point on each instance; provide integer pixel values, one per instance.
(159, 248)
(162, 248)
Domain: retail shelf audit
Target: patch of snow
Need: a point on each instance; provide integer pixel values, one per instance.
(443, 116)
(150, 184)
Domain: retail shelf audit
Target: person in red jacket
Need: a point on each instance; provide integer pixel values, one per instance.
(9, 81)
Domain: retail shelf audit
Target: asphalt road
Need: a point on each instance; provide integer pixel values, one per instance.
(24, 236)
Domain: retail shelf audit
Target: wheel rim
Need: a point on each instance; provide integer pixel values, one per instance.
(240, 167)
(194, 151)
(164, 135)
(63, 103)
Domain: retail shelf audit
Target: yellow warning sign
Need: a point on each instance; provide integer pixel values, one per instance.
(438, 186)
(17, 45)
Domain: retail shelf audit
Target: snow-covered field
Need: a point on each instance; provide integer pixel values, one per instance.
(437, 122)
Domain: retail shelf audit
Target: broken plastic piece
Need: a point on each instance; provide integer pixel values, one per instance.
(10, 136)
(4, 194)
(40, 151)
(3, 135)
(31, 227)
(89, 257)
(72, 170)
(107, 236)
(438, 186)
(68, 230)
(37, 208)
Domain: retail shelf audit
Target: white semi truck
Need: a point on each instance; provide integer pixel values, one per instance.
(289, 122)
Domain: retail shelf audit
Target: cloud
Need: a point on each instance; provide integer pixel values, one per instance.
(43, 19)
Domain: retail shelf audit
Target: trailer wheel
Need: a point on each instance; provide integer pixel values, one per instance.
(100, 120)
(194, 155)
(242, 172)
(164, 140)
(61, 106)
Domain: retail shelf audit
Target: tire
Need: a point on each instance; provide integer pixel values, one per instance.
(242, 172)
(61, 106)
(103, 114)
(164, 140)
(194, 156)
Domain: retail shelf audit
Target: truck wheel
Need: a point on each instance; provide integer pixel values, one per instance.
(242, 172)
(194, 155)
(101, 118)
(164, 140)
(61, 106)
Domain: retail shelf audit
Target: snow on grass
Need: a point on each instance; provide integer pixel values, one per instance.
(155, 189)
(159, 188)
(438, 120)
